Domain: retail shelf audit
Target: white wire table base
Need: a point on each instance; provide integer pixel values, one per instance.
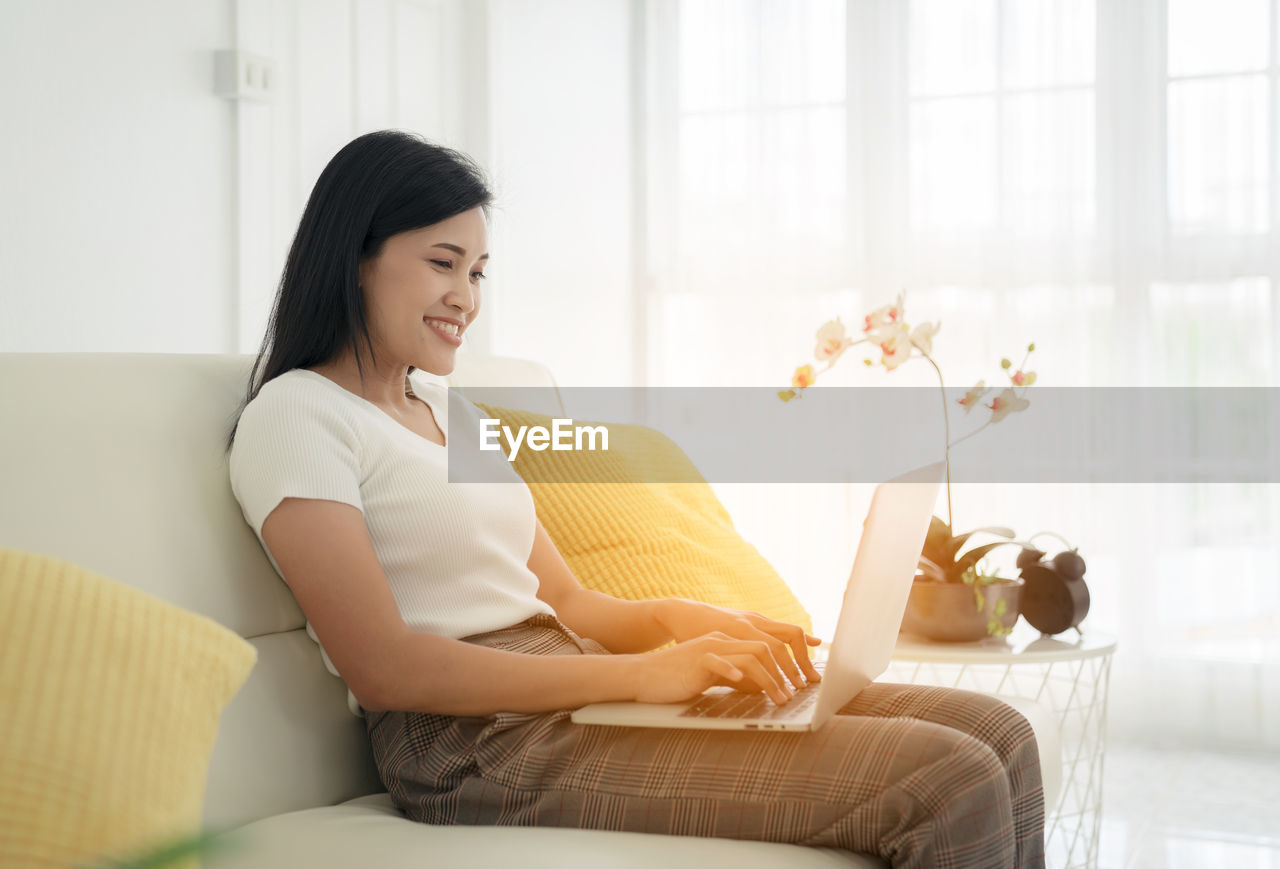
(1075, 690)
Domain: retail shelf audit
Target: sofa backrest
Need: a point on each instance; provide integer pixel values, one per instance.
(116, 462)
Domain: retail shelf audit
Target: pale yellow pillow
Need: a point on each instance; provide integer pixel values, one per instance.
(635, 539)
(109, 705)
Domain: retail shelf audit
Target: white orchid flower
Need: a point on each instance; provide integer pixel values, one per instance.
(970, 400)
(831, 341)
(884, 316)
(803, 377)
(898, 310)
(1005, 403)
(895, 344)
(922, 336)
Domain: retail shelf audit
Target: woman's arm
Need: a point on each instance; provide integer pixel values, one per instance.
(621, 626)
(637, 626)
(324, 552)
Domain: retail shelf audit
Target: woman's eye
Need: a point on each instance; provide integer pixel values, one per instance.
(448, 266)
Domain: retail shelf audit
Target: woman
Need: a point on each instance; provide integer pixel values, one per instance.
(463, 636)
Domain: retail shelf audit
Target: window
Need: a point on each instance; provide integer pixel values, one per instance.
(1097, 177)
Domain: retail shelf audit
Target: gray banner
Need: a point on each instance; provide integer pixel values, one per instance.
(869, 434)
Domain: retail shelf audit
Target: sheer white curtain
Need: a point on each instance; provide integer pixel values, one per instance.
(1100, 178)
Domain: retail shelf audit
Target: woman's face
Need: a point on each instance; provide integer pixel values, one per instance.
(423, 291)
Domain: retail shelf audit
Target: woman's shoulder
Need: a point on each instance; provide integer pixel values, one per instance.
(298, 400)
(296, 381)
(300, 387)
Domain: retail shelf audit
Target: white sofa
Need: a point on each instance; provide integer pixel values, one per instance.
(116, 462)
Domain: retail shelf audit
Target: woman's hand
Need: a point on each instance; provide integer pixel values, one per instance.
(788, 644)
(684, 671)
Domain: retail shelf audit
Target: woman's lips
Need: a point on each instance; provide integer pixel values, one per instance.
(446, 330)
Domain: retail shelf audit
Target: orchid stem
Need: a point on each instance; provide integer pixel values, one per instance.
(971, 434)
(946, 424)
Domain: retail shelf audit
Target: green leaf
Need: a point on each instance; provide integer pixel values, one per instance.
(174, 851)
(787, 394)
(935, 541)
(978, 598)
(971, 557)
(953, 545)
(1002, 607)
(931, 569)
(1005, 363)
(1031, 347)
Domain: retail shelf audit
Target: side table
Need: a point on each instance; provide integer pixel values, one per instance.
(1068, 674)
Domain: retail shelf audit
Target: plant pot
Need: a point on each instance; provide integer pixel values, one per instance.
(948, 611)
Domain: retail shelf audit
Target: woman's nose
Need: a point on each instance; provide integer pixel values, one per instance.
(462, 296)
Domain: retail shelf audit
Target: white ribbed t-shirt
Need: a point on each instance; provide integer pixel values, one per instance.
(455, 554)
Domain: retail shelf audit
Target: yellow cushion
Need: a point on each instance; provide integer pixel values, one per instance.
(635, 539)
(109, 705)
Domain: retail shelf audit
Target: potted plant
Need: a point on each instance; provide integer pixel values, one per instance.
(956, 595)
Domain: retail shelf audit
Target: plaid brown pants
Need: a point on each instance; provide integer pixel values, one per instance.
(920, 776)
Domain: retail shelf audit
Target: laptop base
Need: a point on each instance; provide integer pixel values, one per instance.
(671, 715)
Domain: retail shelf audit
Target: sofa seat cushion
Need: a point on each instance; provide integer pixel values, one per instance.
(1049, 741)
(370, 831)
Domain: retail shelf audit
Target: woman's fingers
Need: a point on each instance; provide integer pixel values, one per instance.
(765, 678)
(798, 641)
(757, 662)
(721, 667)
(782, 655)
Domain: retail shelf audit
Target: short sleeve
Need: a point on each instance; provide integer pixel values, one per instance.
(293, 441)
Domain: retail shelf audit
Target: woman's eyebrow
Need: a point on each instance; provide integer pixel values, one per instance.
(460, 251)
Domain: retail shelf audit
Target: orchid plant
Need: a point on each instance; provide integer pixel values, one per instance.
(885, 329)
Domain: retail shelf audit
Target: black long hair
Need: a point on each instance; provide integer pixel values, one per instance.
(380, 184)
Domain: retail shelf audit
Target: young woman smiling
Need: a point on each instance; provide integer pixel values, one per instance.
(462, 635)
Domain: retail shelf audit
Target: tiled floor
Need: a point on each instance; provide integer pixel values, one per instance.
(1184, 809)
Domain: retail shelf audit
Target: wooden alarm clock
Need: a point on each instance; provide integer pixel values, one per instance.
(1055, 596)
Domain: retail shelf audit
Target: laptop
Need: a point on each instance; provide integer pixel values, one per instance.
(875, 599)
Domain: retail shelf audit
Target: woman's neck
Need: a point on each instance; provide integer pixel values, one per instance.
(382, 385)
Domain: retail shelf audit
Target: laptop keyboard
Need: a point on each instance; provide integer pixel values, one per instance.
(750, 705)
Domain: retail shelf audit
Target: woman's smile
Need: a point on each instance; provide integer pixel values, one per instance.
(447, 329)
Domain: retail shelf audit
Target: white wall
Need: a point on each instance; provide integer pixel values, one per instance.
(142, 212)
(344, 67)
(115, 220)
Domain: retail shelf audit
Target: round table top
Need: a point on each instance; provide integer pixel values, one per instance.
(1025, 645)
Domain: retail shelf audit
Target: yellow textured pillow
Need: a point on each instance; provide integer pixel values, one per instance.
(109, 705)
(642, 540)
